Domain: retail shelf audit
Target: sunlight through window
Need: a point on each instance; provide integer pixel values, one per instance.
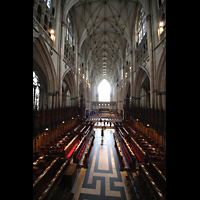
(104, 90)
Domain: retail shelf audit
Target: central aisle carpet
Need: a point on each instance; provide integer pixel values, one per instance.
(102, 179)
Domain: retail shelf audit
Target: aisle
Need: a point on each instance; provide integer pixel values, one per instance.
(102, 179)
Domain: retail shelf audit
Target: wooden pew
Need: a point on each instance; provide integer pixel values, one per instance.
(154, 180)
(69, 149)
(40, 165)
(132, 130)
(42, 178)
(159, 170)
(139, 152)
(130, 156)
(81, 146)
(55, 179)
(80, 152)
(131, 153)
(87, 152)
(41, 185)
(119, 153)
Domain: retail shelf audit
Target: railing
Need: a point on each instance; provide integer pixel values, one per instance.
(38, 28)
(142, 50)
(69, 55)
(163, 35)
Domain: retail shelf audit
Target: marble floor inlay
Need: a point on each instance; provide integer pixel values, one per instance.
(102, 179)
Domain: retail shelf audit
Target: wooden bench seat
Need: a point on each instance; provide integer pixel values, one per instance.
(139, 152)
(81, 146)
(69, 149)
(119, 153)
(87, 152)
(154, 180)
(45, 175)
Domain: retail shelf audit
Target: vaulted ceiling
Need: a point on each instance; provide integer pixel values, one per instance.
(104, 27)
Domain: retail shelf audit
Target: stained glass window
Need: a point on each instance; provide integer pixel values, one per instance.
(141, 25)
(104, 90)
(49, 3)
(36, 90)
(69, 29)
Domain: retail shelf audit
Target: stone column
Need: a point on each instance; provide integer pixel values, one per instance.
(50, 100)
(57, 25)
(61, 67)
(150, 51)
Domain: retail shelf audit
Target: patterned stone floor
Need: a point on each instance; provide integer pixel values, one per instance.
(103, 179)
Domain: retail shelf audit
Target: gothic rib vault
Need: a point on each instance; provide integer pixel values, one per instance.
(104, 27)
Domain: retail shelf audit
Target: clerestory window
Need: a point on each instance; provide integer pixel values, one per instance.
(141, 25)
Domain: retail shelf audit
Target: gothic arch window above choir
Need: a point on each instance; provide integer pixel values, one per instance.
(69, 30)
(141, 25)
(48, 3)
(69, 40)
(36, 91)
(141, 44)
(160, 2)
(45, 17)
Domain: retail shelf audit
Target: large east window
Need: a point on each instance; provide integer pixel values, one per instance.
(104, 90)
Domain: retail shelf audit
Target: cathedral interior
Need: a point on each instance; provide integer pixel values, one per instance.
(99, 99)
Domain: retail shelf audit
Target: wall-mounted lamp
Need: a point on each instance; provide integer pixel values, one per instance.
(161, 24)
(63, 124)
(52, 34)
(160, 29)
(46, 129)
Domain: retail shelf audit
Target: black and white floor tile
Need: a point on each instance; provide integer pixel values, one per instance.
(102, 179)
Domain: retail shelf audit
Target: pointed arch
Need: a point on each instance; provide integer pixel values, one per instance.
(142, 87)
(69, 80)
(44, 67)
(141, 76)
(43, 59)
